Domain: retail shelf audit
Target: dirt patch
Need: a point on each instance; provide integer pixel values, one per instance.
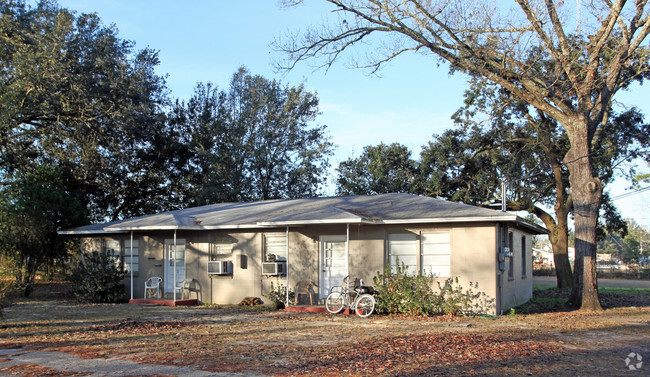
(33, 370)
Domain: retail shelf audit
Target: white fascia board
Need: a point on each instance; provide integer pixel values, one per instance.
(511, 218)
(190, 227)
(83, 232)
(153, 227)
(271, 224)
(122, 230)
(451, 220)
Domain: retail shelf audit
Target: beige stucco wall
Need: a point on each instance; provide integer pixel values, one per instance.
(519, 289)
(473, 259)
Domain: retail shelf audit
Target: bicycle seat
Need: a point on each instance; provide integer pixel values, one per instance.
(364, 289)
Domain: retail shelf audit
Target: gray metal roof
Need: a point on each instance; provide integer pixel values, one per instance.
(372, 209)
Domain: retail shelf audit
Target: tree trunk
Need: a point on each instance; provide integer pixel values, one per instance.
(561, 254)
(559, 243)
(586, 191)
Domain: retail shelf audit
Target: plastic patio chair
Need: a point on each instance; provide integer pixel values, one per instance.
(152, 283)
(189, 286)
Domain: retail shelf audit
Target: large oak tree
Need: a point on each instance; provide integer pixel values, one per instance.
(500, 137)
(253, 141)
(503, 42)
(75, 95)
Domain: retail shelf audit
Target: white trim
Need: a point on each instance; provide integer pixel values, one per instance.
(331, 238)
(80, 232)
(131, 266)
(287, 271)
(174, 286)
(347, 253)
(274, 224)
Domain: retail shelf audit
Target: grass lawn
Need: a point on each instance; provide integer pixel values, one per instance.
(238, 339)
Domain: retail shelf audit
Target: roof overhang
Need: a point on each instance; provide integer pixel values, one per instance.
(520, 222)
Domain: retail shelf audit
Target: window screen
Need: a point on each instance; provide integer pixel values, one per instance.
(128, 263)
(276, 245)
(436, 254)
(523, 256)
(402, 251)
(511, 259)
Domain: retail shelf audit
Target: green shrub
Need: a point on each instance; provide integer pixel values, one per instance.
(278, 295)
(456, 300)
(401, 293)
(97, 278)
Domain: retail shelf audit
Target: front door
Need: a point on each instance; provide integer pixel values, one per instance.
(334, 263)
(169, 264)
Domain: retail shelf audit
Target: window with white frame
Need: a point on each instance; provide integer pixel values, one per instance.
(112, 249)
(132, 256)
(402, 252)
(523, 256)
(275, 247)
(511, 259)
(436, 254)
(220, 249)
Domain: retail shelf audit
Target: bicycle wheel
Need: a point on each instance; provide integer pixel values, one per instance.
(334, 302)
(365, 305)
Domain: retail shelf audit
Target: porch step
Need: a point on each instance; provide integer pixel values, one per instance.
(191, 302)
(313, 309)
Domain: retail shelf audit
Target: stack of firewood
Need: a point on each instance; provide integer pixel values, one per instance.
(250, 301)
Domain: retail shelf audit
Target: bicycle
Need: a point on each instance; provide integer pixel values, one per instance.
(361, 298)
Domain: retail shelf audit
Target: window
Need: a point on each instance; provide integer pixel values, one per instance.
(511, 258)
(402, 251)
(221, 249)
(112, 249)
(128, 251)
(275, 247)
(523, 256)
(436, 255)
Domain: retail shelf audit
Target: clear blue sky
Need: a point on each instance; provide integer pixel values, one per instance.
(207, 40)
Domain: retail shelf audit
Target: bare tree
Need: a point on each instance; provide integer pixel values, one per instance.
(527, 47)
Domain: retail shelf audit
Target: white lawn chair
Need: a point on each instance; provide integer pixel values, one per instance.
(187, 287)
(152, 283)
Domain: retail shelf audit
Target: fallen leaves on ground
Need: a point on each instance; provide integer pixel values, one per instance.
(130, 326)
(235, 339)
(421, 354)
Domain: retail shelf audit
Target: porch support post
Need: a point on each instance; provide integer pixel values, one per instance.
(174, 256)
(347, 252)
(287, 242)
(131, 265)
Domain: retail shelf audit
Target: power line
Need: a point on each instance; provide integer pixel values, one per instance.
(628, 194)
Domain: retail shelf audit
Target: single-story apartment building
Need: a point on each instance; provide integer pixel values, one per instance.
(238, 250)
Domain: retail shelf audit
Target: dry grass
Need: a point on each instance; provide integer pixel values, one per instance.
(281, 343)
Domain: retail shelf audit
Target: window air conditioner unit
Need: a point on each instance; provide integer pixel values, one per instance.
(274, 268)
(218, 267)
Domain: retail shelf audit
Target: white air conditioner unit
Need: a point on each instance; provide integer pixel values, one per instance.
(274, 268)
(218, 267)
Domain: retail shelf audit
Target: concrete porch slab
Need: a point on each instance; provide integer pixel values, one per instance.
(313, 309)
(189, 302)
